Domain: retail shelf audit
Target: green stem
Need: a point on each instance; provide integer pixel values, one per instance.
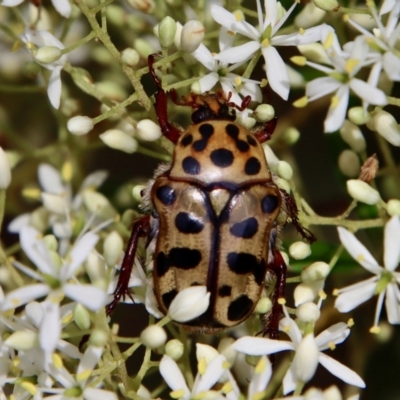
(153, 154)
(393, 101)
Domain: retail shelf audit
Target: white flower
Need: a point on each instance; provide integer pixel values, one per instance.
(55, 276)
(231, 84)
(63, 7)
(206, 378)
(385, 281)
(5, 170)
(327, 339)
(341, 78)
(33, 40)
(263, 38)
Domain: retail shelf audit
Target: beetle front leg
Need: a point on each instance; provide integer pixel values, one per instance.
(169, 130)
(140, 229)
(265, 131)
(271, 320)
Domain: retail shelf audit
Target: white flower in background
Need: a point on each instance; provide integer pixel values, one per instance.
(263, 38)
(341, 79)
(206, 378)
(78, 385)
(38, 39)
(231, 84)
(327, 339)
(382, 44)
(55, 276)
(63, 7)
(384, 283)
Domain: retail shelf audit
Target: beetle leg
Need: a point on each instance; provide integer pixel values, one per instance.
(271, 320)
(265, 131)
(292, 210)
(140, 229)
(169, 130)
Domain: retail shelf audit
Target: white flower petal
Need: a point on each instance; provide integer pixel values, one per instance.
(226, 38)
(341, 371)
(238, 53)
(207, 82)
(23, 295)
(253, 90)
(203, 55)
(358, 251)
(391, 244)
(54, 87)
(355, 295)
(321, 87)
(50, 179)
(277, 75)
(19, 222)
(229, 90)
(50, 327)
(368, 92)
(260, 380)
(98, 394)
(213, 372)
(392, 303)
(289, 382)
(289, 326)
(336, 115)
(90, 296)
(310, 35)
(63, 7)
(11, 3)
(336, 333)
(171, 373)
(79, 253)
(69, 349)
(305, 360)
(391, 65)
(88, 361)
(255, 346)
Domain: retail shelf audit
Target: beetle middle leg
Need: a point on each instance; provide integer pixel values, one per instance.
(140, 229)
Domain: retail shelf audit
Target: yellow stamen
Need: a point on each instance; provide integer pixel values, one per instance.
(302, 31)
(350, 65)
(335, 101)
(281, 301)
(227, 388)
(57, 360)
(265, 43)
(201, 366)
(335, 292)
(299, 60)
(177, 394)
(350, 322)
(67, 171)
(264, 82)
(322, 294)
(82, 376)
(31, 193)
(238, 81)
(239, 16)
(29, 387)
(300, 103)
(328, 42)
(332, 345)
(375, 329)
(261, 365)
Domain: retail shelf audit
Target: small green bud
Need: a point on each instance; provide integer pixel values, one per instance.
(166, 32)
(130, 57)
(81, 317)
(48, 54)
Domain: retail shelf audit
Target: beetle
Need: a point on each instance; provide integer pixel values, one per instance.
(213, 213)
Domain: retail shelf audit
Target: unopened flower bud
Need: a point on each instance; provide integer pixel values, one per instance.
(130, 57)
(119, 140)
(113, 247)
(54, 203)
(263, 306)
(166, 31)
(98, 204)
(305, 360)
(285, 171)
(148, 130)
(146, 6)
(48, 54)
(51, 242)
(189, 303)
(5, 170)
(291, 135)
(299, 250)
(333, 393)
(174, 348)
(98, 338)
(308, 312)
(264, 112)
(361, 191)
(95, 268)
(23, 340)
(353, 136)
(80, 125)
(206, 352)
(393, 207)
(143, 47)
(327, 5)
(81, 317)
(273, 160)
(314, 52)
(282, 184)
(358, 115)
(192, 35)
(309, 16)
(317, 271)
(349, 163)
(153, 336)
(307, 292)
(385, 124)
(112, 90)
(115, 14)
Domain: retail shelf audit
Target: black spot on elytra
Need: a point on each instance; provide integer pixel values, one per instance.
(243, 263)
(184, 258)
(187, 223)
(245, 229)
(225, 291)
(252, 166)
(187, 140)
(239, 308)
(251, 140)
(162, 264)
(166, 194)
(206, 131)
(191, 166)
(168, 297)
(269, 203)
(233, 131)
(222, 158)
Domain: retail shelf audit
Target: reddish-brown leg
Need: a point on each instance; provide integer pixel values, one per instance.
(292, 210)
(271, 320)
(140, 229)
(264, 132)
(169, 130)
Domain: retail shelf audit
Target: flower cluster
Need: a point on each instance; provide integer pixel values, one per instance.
(77, 129)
